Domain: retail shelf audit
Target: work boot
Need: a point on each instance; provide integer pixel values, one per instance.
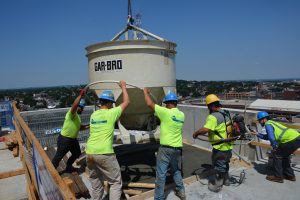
(180, 194)
(226, 181)
(274, 179)
(290, 178)
(70, 169)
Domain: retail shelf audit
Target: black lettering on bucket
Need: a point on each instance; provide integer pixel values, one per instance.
(110, 65)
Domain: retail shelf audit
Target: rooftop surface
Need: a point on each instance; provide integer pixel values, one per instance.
(140, 167)
(283, 105)
(197, 160)
(137, 163)
(11, 188)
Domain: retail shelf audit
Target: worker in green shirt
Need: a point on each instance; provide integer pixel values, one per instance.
(216, 126)
(169, 152)
(67, 140)
(101, 159)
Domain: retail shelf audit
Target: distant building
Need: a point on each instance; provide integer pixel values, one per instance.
(291, 95)
(239, 95)
(267, 96)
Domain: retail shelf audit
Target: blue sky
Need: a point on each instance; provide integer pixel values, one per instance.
(43, 42)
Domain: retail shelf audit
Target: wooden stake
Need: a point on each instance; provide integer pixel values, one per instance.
(133, 192)
(141, 185)
(12, 173)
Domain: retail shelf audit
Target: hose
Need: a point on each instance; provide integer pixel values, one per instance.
(117, 82)
(231, 138)
(221, 140)
(110, 81)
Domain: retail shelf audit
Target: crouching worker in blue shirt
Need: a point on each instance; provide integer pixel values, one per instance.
(284, 142)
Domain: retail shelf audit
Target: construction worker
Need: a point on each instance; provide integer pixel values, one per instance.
(101, 159)
(67, 140)
(216, 127)
(284, 142)
(170, 149)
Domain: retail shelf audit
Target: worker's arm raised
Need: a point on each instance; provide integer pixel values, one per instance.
(126, 100)
(77, 101)
(148, 99)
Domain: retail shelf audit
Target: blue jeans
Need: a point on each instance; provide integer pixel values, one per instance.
(220, 160)
(167, 157)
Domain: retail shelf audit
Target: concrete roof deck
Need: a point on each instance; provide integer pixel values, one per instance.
(11, 188)
(255, 186)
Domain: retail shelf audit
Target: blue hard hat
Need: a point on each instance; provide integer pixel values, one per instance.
(82, 103)
(107, 95)
(262, 114)
(171, 96)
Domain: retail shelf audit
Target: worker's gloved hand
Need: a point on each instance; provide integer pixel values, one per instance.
(82, 92)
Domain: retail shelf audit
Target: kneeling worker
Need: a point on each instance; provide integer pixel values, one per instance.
(284, 142)
(101, 159)
(170, 149)
(67, 140)
(216, 127)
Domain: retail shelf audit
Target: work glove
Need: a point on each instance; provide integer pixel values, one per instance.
(82, 92)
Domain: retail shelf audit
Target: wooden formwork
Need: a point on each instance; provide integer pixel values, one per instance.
(25, 137)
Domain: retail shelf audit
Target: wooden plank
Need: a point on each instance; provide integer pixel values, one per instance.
(149, 194)
(30, 176)
(70, 184)
(133, 192)
(293, 126)
(28, 192)
(16, 151)
(82, 187)
(141, 185)
(12, 173)
(106, 187)
(25, 161)
(64, 189)
(268, 146)
(78, 192)
(33, 192)
(81, 160)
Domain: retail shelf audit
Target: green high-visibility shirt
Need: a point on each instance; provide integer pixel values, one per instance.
(212, 124)
(71, 125)
(171, 125)
(282, 133)
(102, 126)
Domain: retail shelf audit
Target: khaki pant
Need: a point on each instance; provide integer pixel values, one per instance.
(104, 167)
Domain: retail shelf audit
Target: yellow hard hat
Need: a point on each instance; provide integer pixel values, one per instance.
(211, 98)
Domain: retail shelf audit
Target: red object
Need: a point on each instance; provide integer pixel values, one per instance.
(2, 139)
(82, 92)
